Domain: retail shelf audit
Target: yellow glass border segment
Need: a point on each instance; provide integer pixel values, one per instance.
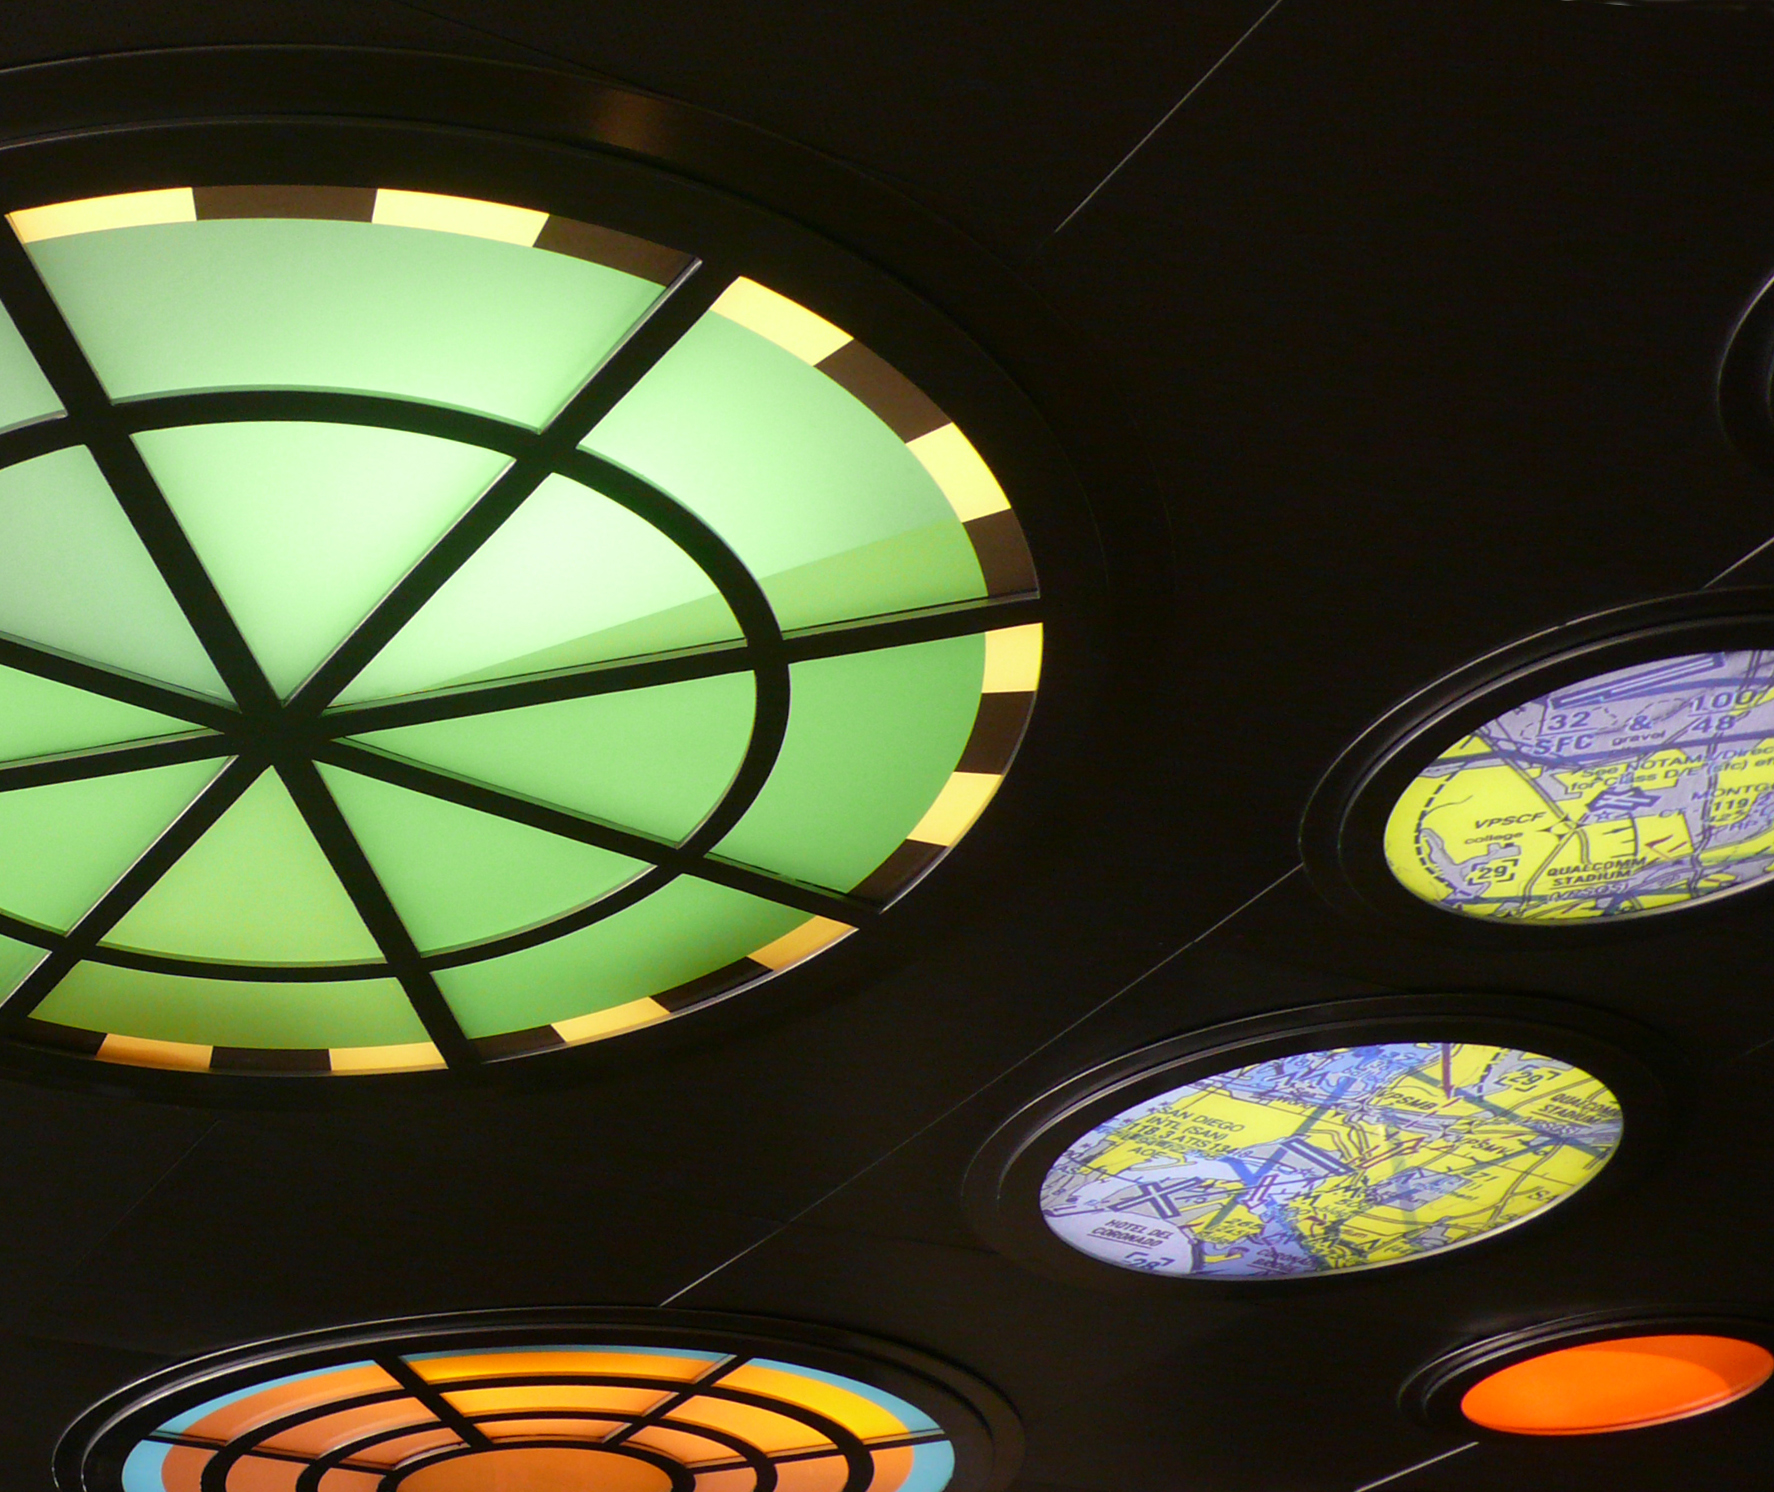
(95, 214)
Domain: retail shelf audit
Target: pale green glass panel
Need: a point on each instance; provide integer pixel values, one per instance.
(544, 592)
(689, 929)
(790, 469)
(305, 527)
(872, 738)
(928, 566)
(456, 875)
(652, 760)
(255, 889)
(39, 717)
(74, 576)
(236, 303)
(16, 960)
(25, 394)
(232, 1012)
(63, 846)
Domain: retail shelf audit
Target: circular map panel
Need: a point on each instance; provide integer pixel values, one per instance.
(1345, 1159)
(434, 631)
(1636, 791)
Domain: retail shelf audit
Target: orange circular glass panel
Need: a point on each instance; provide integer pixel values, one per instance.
(1617, 1385)
(540, 1469)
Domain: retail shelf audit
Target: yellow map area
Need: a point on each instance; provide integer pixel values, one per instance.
(1431, 1160)
(1492, 836)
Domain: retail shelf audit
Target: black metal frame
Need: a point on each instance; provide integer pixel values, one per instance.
(972, 1417)
(1003, 1184)
(1433, 1393)
(1341, 834)
(261, 734)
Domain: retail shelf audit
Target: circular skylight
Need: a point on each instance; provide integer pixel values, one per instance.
(1635, 791)
(1343, 1159)
(1619, 1383)
(432, 630)
(486, 1411)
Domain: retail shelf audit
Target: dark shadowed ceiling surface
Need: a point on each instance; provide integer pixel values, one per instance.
(1397, 341)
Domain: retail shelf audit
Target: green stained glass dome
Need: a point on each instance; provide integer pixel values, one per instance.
(435, 631)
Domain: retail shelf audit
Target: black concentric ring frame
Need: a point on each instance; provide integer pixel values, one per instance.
(264, 734)
(1002, 1189)
(1342, 831)
(1432, 1394)
(975, 1420)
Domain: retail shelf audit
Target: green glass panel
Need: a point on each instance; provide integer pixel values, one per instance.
(63, 846)
(256, 889)
(689, 929)
(927, 566)
(458, 876)
(16, 960)
(25, 394)
(305, 527)
(74, 576)
(871, 740)
(238, 303)
(39, 717)
(543, 593)
(789, 468)
(653, 760)
(232, 1012)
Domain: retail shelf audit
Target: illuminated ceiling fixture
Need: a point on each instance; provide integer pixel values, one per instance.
(433, 630)
(1623, 1384)
(1635, 791)
(468, 1406)
(1327, 1161)
(1595, 1375)
(1291, 1149)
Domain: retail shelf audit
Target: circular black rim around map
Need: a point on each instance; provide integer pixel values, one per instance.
(974, 1419)
(1432, 1394)
(1343, 829)
(305, 114)
(1003, 1184)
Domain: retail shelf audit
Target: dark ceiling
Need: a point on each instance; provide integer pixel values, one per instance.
(1408, 321)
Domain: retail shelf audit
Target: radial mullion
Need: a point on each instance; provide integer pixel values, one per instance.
(58, 352)
(675, 1401)
(616, 677)
(131, 887)
(430, 1397)
(109, 761)
(352, 866)
(672, 315)
(931, 624)
(129, 689)
(568, 825)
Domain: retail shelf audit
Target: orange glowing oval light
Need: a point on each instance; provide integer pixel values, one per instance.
(1622, 1384)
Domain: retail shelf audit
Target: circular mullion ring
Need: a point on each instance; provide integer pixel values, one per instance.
(1432, 1395)
(220, 1466)
(1002, 1187)
(309, 1478)
(682, 1478)
(759, 1462)
(857, 1455)
(1343, 828)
